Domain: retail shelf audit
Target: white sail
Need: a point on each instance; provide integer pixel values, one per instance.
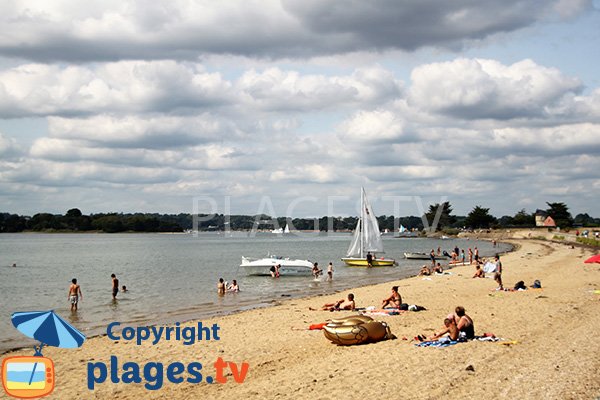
(402, 229)
(366, 235)
(287, 229)
(355, 246)
(371, 236)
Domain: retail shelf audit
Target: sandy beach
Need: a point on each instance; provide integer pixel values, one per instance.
(551, 349)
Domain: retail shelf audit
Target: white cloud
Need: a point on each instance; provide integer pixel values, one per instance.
(270, 29)
(478, 88)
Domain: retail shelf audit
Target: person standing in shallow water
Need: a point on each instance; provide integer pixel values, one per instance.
(74, 294)
(115, 286)
(369, 259)
(221, 286)
(330, 272)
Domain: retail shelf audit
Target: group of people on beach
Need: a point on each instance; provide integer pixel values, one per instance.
(75, 294)
(457, 326)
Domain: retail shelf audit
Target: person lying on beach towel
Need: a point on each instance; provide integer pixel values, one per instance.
(424, 271)
(339, 305)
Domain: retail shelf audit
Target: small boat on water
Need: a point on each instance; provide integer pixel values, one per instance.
(423, 256)
(288, 267)
(280, 231)
(367, 238)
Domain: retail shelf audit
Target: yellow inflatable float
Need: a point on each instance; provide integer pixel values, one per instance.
(356, 329)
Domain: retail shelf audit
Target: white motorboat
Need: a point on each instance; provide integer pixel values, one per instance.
(288, 267)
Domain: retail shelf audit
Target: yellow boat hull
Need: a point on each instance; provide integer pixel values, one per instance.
(362, 262)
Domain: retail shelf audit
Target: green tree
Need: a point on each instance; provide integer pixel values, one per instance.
(446, 217)
(560, 214)
(480, 217)
(523, 218)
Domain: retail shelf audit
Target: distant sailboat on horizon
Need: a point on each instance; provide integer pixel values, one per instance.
(367, 238)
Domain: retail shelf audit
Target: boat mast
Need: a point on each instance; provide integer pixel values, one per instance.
(362, 222)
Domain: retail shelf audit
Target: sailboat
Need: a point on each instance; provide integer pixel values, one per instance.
(366, 239)
(287, 229)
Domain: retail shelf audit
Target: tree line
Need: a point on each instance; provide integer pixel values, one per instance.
(441, 214)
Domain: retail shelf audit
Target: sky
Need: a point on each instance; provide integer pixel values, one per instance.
(290, 107)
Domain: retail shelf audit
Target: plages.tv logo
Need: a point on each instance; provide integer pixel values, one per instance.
(28, 377)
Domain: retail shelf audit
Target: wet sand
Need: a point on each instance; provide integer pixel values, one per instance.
(554, 355)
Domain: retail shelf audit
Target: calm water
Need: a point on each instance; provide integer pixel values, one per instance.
(173, 277)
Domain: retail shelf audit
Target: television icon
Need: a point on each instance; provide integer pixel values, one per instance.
(28, 377)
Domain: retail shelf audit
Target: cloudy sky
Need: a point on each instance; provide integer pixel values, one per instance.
(290, 106)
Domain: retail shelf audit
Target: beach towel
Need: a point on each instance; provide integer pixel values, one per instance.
(444, 342)
(383, 313)
(489, 267)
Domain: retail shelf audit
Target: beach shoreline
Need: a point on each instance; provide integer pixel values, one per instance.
(549, 331)
(267, 303)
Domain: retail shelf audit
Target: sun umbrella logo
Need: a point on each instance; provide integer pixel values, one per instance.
(30, 377)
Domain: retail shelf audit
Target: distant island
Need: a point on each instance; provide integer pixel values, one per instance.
(75, 221)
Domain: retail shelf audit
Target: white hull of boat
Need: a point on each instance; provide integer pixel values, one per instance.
(288, 267)
(422, 256)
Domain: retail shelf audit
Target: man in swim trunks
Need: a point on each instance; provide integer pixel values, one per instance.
(369, 259)
(395, 300)
(341, 304)
(498, 274)
(464, 323)
(479, 272)
(115, 286)
(330, 272)
(74, 294)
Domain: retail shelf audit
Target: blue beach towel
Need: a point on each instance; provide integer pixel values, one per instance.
(437, 343)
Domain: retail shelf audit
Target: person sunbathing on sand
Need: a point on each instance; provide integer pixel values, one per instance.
(438, 269)
(448, 328)
(395, 300)
(479, 272)
(464, 323)
(339, 305)
(424, 270)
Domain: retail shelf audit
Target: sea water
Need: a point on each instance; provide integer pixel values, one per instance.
(172, 277)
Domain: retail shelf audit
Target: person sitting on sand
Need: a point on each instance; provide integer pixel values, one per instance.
(464, 323)
(395, 300)
(448, 328)
(479, 272)
(339, 305)
(424, 270)
(234, 287)
(438, 269)
(221, 286)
